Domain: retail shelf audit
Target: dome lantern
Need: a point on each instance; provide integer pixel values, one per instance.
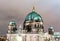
(33, 9)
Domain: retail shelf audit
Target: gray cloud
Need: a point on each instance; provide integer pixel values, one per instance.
(18, 9)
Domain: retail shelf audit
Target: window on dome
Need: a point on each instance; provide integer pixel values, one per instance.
(28, 28)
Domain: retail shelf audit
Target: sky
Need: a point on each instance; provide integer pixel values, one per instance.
(18, 9)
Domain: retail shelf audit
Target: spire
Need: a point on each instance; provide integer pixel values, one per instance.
(33, 8)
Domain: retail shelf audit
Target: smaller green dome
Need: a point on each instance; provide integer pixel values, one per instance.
(33, 16)
(12, 23)
(50, 28)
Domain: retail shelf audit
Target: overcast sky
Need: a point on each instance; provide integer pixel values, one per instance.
(18, 9)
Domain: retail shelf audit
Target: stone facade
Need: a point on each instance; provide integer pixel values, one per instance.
(32, 30)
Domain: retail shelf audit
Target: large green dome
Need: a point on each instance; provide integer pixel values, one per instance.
(33, 16)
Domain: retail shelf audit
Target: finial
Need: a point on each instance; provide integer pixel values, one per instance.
(33, 8)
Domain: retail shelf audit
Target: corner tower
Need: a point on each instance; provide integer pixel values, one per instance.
(12, 31)
(12, 27)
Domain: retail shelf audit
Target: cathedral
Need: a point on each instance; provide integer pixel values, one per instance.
(32, 30)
